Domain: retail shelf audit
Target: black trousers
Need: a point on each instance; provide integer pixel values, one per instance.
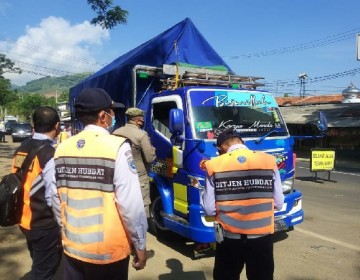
(45, 250)
(232, 254)
(79, 270)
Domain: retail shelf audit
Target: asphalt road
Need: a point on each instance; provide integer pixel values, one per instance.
(325, 246)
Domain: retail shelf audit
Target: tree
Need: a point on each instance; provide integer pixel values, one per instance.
(5, 87)
(108, 16)
(7, 66)
(64, 96)
(30, 102)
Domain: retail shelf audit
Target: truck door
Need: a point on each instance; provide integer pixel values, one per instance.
(169, 156)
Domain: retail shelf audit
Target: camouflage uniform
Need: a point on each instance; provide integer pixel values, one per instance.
(143, 151)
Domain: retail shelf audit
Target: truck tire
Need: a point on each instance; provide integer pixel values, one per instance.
(156, 222)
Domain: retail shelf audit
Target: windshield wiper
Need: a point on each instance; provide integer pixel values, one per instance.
(267, 134)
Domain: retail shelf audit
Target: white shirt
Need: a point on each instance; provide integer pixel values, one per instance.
(128, 196)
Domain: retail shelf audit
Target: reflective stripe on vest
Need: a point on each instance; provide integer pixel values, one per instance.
(88, 221)
(244, 184)
(36, 185)
(84, 255)
(89, 185)
(84, 238)
(92, 229)
(82, 203)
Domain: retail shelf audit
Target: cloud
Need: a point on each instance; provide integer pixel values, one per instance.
(55, 48)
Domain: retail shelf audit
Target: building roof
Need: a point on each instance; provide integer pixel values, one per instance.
(337, 114)
(320, 99)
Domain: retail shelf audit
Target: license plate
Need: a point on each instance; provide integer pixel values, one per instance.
(280, 225)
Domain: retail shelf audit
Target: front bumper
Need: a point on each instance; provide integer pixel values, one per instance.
(291, 213)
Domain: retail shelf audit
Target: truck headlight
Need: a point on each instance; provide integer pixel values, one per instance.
(288, 185)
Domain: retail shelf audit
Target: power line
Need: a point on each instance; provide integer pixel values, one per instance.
(46, 71)
(288, 86)
(38, 49)
(304, 46)
(282, 83)
(41, 70)
(41, 60)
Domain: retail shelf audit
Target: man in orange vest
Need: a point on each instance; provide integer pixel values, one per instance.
(38, 222)
(242, 189)
(102, 208)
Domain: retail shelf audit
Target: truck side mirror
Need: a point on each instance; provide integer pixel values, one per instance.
(176, 121)
(176, 125)
(322, 123)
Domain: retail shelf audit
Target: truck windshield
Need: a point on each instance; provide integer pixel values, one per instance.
(251, 113)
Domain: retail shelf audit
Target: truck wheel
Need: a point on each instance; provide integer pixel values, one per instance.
(156, 221)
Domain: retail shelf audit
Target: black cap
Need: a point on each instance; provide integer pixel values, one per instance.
(225, 135)
(95, 99)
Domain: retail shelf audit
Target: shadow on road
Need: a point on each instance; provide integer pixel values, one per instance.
(310, 179)
(185, 246)
(178, 273)
(280, 236)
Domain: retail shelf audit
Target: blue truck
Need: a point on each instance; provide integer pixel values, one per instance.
(190, 95)
(190, 107)
(183, 121)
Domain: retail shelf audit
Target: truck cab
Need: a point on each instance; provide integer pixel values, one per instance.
(183, 121)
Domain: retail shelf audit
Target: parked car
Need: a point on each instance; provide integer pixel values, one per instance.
(21, 131)
(8, 126)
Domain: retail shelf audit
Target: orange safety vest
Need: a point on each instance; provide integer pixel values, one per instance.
(244, 185)
(92, 228)
(36, 213)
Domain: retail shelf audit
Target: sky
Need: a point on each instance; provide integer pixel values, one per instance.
(275, 39)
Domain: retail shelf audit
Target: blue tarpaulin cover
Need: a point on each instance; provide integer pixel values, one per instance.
(182, 43)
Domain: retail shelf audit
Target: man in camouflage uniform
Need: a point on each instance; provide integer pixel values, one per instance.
(143, 151)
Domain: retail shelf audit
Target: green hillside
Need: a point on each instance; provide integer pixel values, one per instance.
(52, 84)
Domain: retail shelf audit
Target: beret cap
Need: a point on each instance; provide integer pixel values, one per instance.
(134, 112)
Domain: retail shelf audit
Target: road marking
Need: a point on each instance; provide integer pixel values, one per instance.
(346, 245)
(346, 173)
(334, 171)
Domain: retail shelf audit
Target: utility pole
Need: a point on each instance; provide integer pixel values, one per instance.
(302, 78)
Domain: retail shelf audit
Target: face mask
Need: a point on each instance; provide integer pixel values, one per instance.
(112, 126)
(62, 127)
(113, 121)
